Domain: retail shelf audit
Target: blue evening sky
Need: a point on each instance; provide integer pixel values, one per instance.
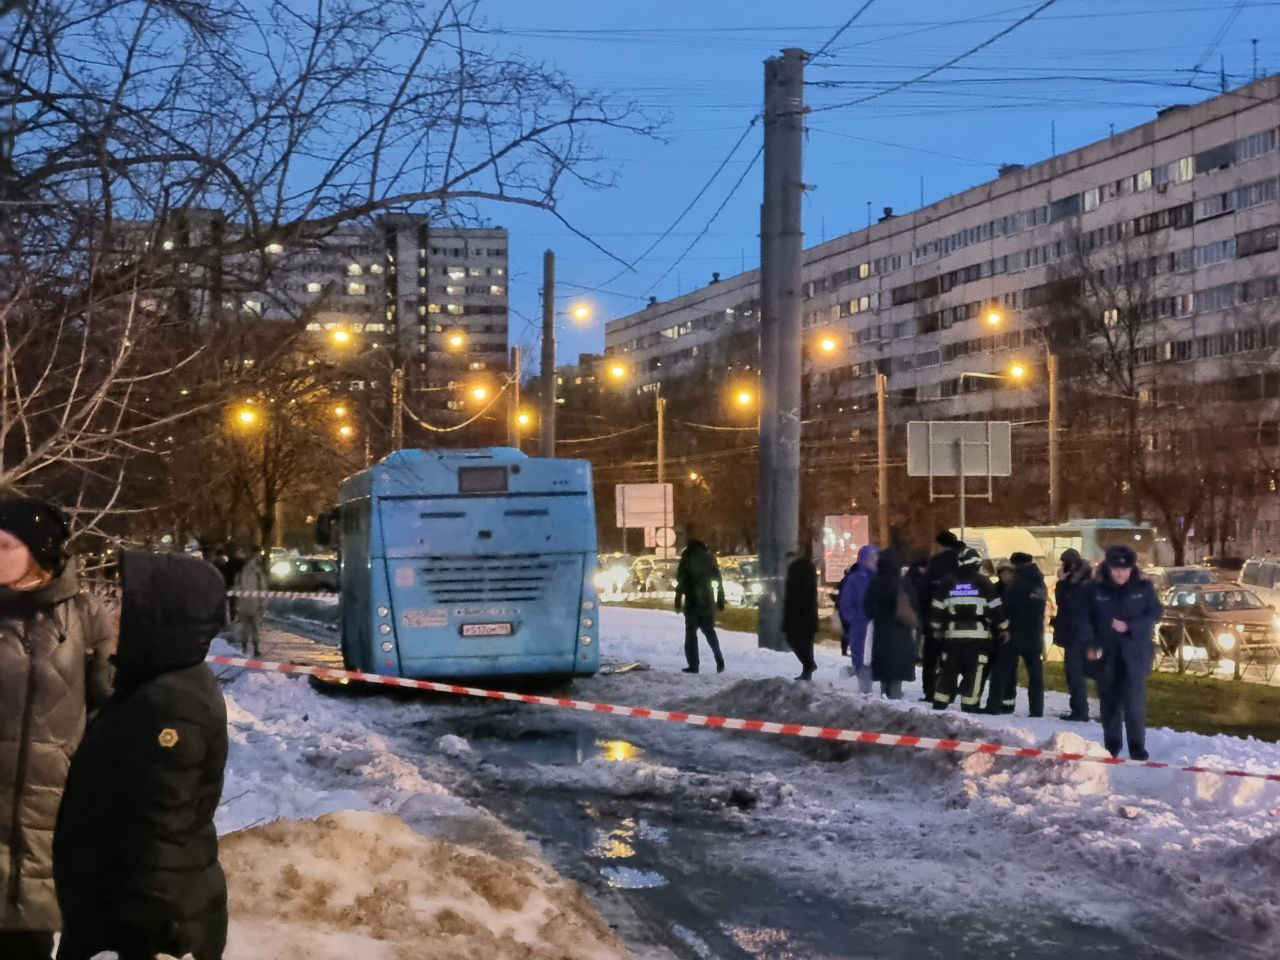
(1080, 68)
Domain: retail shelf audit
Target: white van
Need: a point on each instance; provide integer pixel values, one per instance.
(1262, 576)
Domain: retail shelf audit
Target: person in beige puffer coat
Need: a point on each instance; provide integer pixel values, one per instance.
(55, 645)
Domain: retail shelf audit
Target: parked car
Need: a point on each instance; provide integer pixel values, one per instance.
(1218, 621)
(613, 577)
(1165, 577)
(743, 582)
(304, 574)
(1262, 576)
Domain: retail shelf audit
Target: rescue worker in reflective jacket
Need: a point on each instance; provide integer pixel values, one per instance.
(1122, 613)
(967, 617)
(1024, 600)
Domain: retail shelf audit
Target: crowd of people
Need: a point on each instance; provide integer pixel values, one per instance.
(113, 741)
(966, 632)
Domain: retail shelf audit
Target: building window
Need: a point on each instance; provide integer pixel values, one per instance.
(314, 287)
(433, 308)
(274, 248)
(477, 271)
(496, 289)
(455, 309)
(253, 306)
(456, 273)
(476, 365)
(455, 291)
(375, 268)
(355, 289)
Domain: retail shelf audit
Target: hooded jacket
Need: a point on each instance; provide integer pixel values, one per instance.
(1070, 595)
(853, 590)
(893, 652)
(1025, 600)
(136, 849)
(699, 588)
(800, 601)
(54, 669)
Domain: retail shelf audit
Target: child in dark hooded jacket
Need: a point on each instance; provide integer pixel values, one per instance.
(136, 851)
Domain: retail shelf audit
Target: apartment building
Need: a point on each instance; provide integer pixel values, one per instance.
(1186, 204)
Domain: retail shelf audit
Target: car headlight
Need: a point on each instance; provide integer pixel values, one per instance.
(281, 568)
(1227, 641)
(757, 589)
(1275, 622)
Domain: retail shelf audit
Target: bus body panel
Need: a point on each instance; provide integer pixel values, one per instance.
(470, 564)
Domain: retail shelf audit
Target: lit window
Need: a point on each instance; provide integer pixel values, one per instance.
(353, 270)
(864, 271)
(476, 365)
(314, 287)
(375, 327)
(477, 271)
(433, 308)
(375, 268)
(253, 306)
(276, 248)
(355, 289)
(455, 309)
(454, 291)
(313, 325)
(497, 290)
(499, 272)
(457, 273)
(168, 245)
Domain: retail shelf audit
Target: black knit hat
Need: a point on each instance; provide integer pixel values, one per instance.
(41, 527)
(1120, 556)
(946, 538)
(1019, 558)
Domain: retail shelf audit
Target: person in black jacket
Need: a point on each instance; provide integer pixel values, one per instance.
(135, 849)
(941, 566)
(1024, 598)
(1070, 629)
(699, 594)
(893, 640)
(968, 617)
(800, 611)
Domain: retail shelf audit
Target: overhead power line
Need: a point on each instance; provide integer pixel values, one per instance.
(894, 88)
(845, 26)
(1219, 36)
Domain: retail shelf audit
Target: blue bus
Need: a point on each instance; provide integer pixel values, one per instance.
(467, 564)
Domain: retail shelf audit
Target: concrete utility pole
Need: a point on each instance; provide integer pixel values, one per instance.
(882, 457)
(513, 414)
(661, 405)
(549, 354)
(1051, 364)
(781, 239)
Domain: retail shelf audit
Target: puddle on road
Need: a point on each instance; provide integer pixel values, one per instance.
(552, 748)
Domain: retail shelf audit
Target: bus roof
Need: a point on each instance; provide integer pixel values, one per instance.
(414, 472)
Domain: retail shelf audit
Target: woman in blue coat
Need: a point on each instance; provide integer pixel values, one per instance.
(1122, 615)
(853, 590)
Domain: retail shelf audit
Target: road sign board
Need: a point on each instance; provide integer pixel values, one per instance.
(644, 505)
(665, 537)
(933, 448)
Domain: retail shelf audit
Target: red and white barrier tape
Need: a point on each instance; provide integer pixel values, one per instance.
(730, 723)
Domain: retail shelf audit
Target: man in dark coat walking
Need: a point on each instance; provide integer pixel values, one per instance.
(136, 851)
(1121, 620)
(1069, 629)
(699, 594)
(1024, 600)
(800, 611)
(941, 566)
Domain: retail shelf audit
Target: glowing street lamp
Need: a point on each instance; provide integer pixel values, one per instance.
(744, 398)
(1017, 371)
(340, 337)
(456, 341)
(523, 418)
(479, 393)
(340, 410)
(247, 417)
(617, 371)
(346, 431)
(828, 344)
(694, 476)
(994, 317)
(580, 313)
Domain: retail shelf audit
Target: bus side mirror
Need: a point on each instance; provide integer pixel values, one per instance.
(325, 524)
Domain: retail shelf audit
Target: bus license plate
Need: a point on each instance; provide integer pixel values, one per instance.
(486, 629)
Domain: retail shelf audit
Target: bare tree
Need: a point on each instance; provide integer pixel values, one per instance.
(156, 156)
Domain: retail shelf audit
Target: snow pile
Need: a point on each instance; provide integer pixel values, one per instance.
(363, 885)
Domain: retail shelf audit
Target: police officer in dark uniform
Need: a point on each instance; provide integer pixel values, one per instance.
(1122, 615)
(967, 616)
(941, 566)
(1024, 598)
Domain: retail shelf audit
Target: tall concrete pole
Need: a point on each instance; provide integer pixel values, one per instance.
(397, 408)
(882, 457)
(781, 240)
(1051, 365)
(549, 354)
(661, 405)
(513, 414)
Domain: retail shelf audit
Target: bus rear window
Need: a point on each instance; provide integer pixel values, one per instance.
(482, 479)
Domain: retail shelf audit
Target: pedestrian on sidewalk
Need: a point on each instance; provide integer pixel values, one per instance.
(968, 617)
(55, 644)
(136, 850)
(940, 567)
(800, 611)
(699, 594)
(1069, 630)
(251, 579)
(1024, 600)
(892, 611)
(1122, 615)
(853, 591)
